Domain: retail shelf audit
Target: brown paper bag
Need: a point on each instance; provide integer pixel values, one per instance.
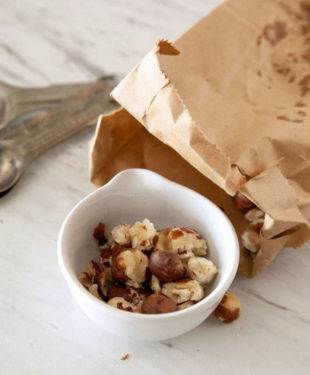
(232, 98)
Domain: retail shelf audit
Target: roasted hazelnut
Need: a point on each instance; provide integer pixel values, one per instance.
(158, 304)
(201, 269)
(120, 234)
(94, 269)
(155, 284)
(142, 235)
(183, 290)
(185, 305)
(187, 242)
(166, 266)
(254, 214)
(108, 244)
(121, 303)
(105, 281)
(163, 241)
(86, 279)
(250, 240)
(131, 295)
(256, 217)
(129, 265)
(99, 234)
(229, 308)
(145, 291)
(118, 270)
(105, 257)
(257, 225)
(94, 290)
(242, 202)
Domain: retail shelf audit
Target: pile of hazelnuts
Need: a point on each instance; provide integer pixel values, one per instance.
(250, 238)
(145, 270)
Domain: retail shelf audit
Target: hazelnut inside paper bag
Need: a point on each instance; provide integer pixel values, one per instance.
(232, 98)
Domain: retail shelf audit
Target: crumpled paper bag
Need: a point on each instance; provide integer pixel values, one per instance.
(231, 97)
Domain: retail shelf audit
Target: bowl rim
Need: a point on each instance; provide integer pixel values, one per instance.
(72, 279)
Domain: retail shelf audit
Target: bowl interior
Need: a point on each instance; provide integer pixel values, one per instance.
(137, 194)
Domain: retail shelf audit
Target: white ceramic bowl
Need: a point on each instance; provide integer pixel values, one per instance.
(132, 195)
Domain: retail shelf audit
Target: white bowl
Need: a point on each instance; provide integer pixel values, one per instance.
(132, 195)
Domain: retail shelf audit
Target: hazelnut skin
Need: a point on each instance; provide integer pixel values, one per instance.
(229, 308)
(166, 266)
(242, 202)
(158, 304)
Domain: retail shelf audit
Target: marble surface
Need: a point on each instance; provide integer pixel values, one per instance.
(42, 330)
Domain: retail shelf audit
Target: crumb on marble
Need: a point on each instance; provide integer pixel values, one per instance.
(126, 356)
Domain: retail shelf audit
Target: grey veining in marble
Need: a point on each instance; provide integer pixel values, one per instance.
(42, 330)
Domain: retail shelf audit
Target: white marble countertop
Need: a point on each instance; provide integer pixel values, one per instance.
(42, 330)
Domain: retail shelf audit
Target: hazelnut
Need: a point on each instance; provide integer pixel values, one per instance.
(85, 279)
(201, 269)
(120, 234)
(94, 269)
(110, 243)
(166, 266)
(163, 241)
(229, 308)
(93, 289)
(131, 295)
(155, 284)
(256, 225)
(256, 217)
(183, 290)
(105, 281)
(99, 234)
(187, 242)
(242, 202)
(254, 214)
(121, 303)
(129, 265)
(250, 240)
(158, 304)
(105, 257)
(185, 305)
(142, 235)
